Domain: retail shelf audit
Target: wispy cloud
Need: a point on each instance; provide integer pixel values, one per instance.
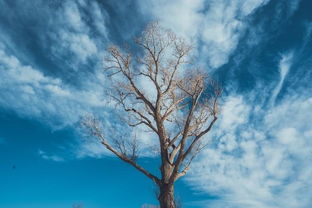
(58, 104)
(29, 92)
(72, 34)
(47, 156)
(284, 66)
(91, 148)
(71, 38)
(216, 25)
(261, 158)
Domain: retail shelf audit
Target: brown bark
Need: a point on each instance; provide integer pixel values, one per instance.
(166, 196)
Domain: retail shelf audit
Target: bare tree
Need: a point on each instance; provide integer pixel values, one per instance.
(179, 104)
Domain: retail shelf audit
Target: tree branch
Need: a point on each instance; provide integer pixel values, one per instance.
(92, 125)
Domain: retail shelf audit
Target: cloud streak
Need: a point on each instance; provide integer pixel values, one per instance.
(260, 162)
(31, 93)
(284, 66)
(46, 156)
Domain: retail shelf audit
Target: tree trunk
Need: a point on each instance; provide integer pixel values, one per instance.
(166, 196)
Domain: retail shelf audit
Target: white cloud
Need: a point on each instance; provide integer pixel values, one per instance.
(284, 66)
(235, 111)
(72, 16)
(217, 24)
(262, 163)
(181, 16)
(73, 35)
(100, 19)
(80, 44)
(31, 93)
(46, 156)
(91, 149)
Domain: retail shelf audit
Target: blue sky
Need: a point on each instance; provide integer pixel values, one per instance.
(51, 54)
